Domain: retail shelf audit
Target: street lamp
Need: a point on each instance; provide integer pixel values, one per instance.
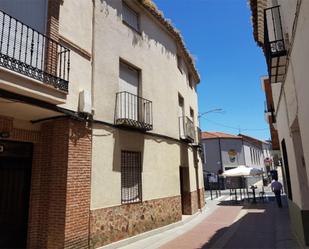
(216, 110)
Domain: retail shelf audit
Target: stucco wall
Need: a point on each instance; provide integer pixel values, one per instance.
(287, 11)
(299, 69)
(77, 29)
(283, 131)
(161, 159)
(154, 52)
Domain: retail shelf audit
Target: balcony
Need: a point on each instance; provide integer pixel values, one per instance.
(198, 137)
(186, 129)
(27, 52)
(269, 113)
(133, 111)
(275, 47)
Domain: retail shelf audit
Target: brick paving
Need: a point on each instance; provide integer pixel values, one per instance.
(203, 233)
(263, 226)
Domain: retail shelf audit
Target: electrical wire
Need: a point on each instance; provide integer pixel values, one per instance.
(235, 128)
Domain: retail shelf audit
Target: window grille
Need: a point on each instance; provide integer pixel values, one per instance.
(130, 17)
(131, 177)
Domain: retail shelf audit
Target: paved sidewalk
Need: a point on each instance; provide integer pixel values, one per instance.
(263, 225)
(226, 225)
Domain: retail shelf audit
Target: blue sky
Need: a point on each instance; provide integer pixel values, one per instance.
(219, 35)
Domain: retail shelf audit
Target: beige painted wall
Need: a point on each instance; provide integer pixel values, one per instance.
(283, 132)
(299, 65)
(154, 52)
(75, 25)
(160, 161)
(296, 87)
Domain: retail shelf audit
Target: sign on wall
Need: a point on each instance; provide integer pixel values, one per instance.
(232, 155)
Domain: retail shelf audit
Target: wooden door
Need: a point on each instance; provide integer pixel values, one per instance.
(15, 174)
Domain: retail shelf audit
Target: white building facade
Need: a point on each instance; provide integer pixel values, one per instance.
(281, 28)
(98, 123)
(225, 151)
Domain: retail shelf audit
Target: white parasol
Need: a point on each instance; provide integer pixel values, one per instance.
(243, 171)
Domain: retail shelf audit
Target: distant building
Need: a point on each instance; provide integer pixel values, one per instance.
(225, 151)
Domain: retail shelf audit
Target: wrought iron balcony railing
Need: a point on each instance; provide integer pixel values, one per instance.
(269, 112)
(28, 52)
(275, 47)
(186, 129)
(198, 135)
(133, 111)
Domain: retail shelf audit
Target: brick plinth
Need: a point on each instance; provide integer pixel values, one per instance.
(115, 223)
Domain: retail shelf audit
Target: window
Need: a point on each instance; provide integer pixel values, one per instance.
(181, 114)
(190, 80)
(192, 114)
(131, 177)
(130, 17)
(179, 63)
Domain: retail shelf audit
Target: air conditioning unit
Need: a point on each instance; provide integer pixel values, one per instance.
(85, 102)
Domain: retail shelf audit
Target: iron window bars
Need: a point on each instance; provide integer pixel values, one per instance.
(274, 44)
(28, 52)
(133, 111)
(131, 177)
(186, 129)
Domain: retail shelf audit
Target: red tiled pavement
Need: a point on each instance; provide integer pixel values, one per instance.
(205, 231)
(260, 226)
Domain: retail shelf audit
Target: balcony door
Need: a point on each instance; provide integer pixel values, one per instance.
(181, 115)
(129, 87)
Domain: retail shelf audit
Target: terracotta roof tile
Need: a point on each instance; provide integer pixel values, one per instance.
(207, 135)
(252, 139)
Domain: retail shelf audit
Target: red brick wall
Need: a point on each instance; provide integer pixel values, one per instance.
(53, 11)
(78, 186)
(60, 183)
(52, 31)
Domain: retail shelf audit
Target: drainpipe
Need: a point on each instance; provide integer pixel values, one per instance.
(92, 90)
(220, 155)
(93, 54)
(195, 158)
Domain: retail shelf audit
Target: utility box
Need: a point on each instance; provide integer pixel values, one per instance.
(85, 102)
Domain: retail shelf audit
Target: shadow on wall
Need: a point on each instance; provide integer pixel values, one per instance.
(78, 131)
(151, 34)
(184, 155)
(130, 140)
(125, 140)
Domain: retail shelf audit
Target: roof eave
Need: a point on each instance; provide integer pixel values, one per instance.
(175, 34)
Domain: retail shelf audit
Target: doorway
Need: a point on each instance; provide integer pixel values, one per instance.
(15, 176)
(184, 189)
